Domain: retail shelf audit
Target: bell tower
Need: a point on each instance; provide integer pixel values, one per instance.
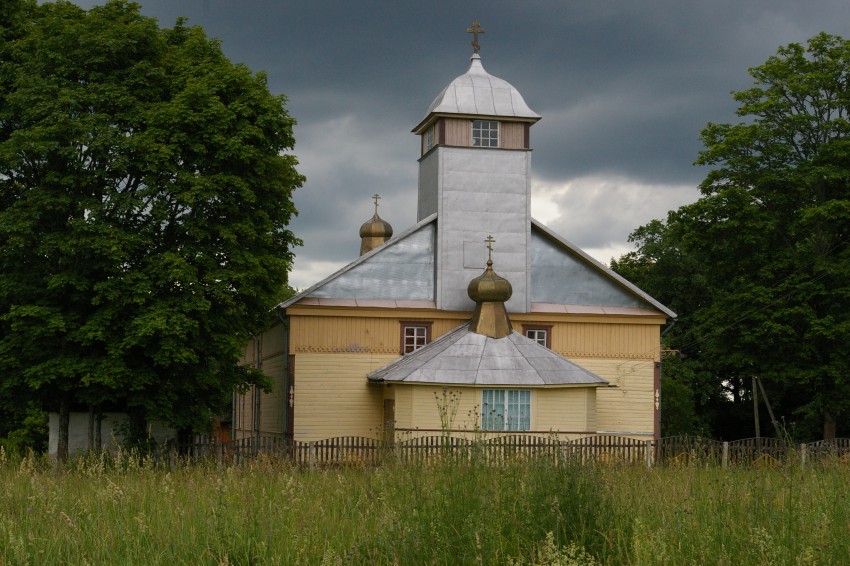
(474, 172)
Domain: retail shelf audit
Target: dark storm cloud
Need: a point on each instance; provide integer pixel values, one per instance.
(624, 88)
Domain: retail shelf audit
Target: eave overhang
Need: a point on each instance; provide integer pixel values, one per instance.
(430, 119)
(464, 358)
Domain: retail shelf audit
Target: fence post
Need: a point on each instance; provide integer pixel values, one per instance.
(725, 461)
(802, 456)
(648, 448)
(311, 454)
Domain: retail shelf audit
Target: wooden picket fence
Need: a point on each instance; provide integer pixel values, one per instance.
(605, 449)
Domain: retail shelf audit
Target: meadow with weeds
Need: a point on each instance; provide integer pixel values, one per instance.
(125, 509)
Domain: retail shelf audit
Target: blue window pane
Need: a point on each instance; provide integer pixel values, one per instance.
(493, 410)
(506, 409)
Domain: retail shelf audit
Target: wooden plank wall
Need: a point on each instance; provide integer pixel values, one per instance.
(551, 409)
(334, 353)
(459, 133)
(350, 334)
(512, 135)
(629, 407)
(333, 397)
(272, 404)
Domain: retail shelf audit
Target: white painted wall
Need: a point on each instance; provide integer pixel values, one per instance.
(78, 432)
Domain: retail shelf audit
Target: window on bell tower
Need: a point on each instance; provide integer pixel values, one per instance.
(485, 133)
(429, 137)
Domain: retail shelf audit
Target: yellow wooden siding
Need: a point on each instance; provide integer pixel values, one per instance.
(628, 407)
(351, 334)
(272, 341)
(458, 132)
(562, 409)
(243, 413)
(629, 341)
(340, 334)
(403, 395)
(417, 409)
(512, 135)
(272, 407)
(333, 397)
(336, 348)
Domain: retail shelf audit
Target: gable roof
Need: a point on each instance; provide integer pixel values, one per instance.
(401, 272)
(462, 357)
(590, 266)
(403, 266)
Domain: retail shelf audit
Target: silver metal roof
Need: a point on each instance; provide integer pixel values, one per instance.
(559, 278)
(402, 269)
(462, 357)
(401, 273)
(478, 92)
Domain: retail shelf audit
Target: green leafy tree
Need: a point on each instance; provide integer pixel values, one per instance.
(145, 193)
(761, 262)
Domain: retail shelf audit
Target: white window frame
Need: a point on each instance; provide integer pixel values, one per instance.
(414, 337)
(506, 409)
(485, 133)
(429, 137)
(540, 333)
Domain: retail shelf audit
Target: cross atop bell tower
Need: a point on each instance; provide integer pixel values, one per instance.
(474, 173)
(475, 30)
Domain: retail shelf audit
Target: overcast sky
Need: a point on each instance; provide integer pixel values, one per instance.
(623, 88)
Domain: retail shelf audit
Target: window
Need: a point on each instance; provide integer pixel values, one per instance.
(506, 409)
(539, 333)
(429, 137)
(485, 133)
(414, 335)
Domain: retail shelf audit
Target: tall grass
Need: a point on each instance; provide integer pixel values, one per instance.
(735, 516)
(120, 509)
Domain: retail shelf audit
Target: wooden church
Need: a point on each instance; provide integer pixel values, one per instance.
(477, 308)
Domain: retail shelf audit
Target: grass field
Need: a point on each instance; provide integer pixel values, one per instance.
(119, 509)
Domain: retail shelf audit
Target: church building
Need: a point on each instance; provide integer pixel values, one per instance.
(477, 306)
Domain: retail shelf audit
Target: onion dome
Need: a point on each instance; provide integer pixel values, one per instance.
(478, 93)
(374, 231)
(490, 292)
(489, 287)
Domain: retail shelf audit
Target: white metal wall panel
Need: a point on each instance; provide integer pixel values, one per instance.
(479, 192)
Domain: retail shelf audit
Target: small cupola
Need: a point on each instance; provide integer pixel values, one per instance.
(477, 94)
(490, 292)
(374, 231)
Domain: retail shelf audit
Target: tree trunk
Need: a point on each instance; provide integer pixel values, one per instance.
(91, 427)
(830, 425)
(98, 431)
(64, 421)
(184, 441)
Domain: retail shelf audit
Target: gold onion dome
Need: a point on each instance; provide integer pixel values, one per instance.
(489, 287)
(376, 227)
(374, 231)
(490, 292)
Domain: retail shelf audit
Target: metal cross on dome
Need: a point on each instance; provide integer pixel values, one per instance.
(377, 197)
(475, 30)
(490, 241)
